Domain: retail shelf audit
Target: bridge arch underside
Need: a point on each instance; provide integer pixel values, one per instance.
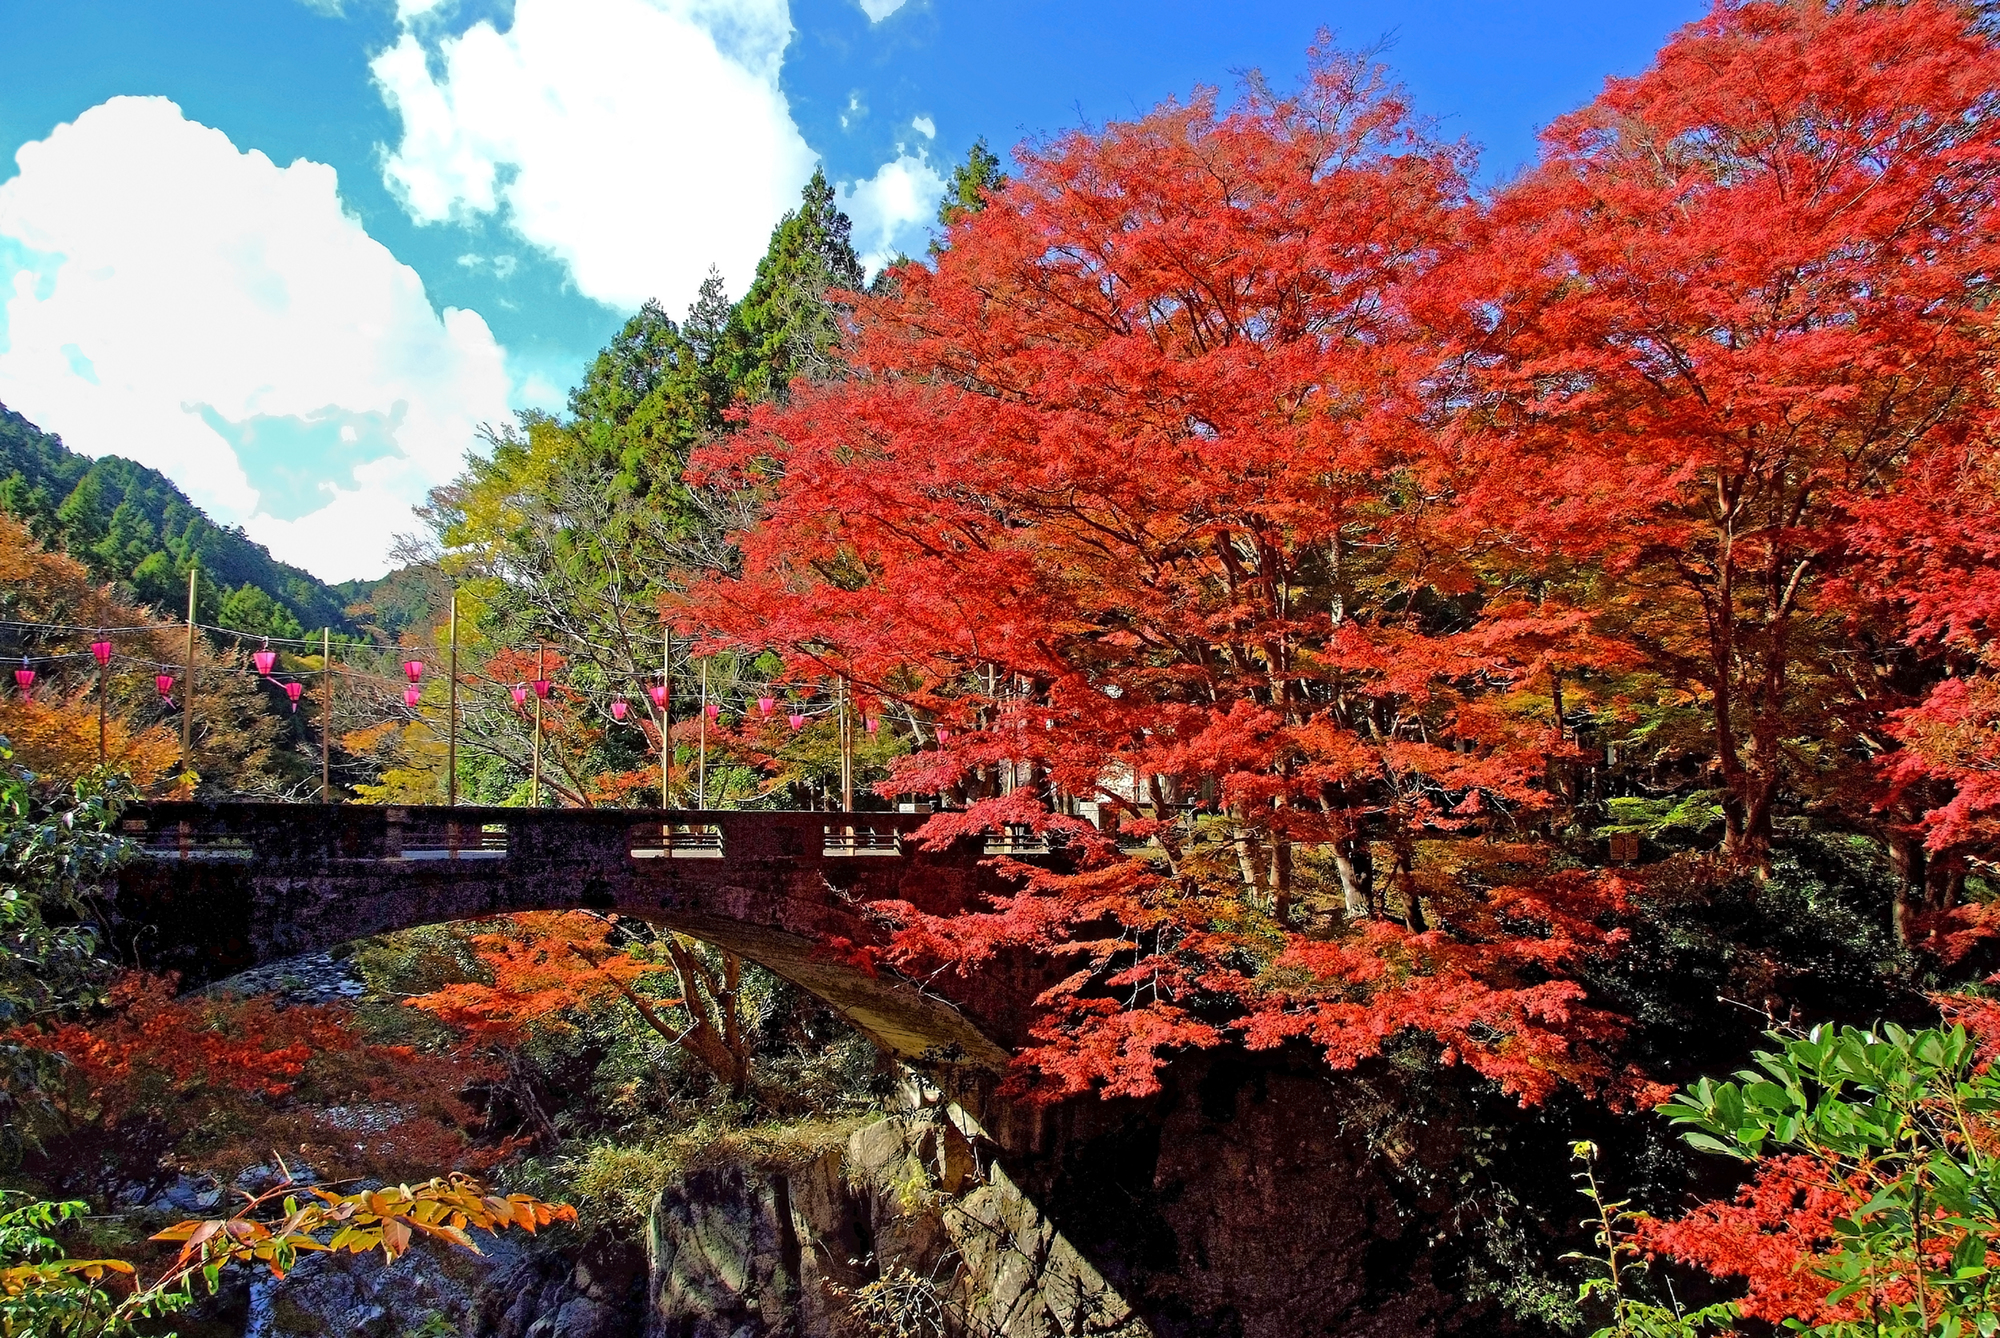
(218, 888)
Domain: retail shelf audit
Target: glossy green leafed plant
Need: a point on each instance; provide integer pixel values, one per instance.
(1874, 1204)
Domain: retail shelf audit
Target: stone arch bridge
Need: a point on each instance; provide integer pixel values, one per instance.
(219, 887)
(1243, 1201)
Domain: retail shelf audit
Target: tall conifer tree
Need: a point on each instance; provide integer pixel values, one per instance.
(786, 327)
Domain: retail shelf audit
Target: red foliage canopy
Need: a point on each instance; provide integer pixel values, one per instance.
(1237, 472)
(238, 1076)
(1733, 362)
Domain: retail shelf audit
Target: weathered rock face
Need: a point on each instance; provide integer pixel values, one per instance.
(362, 1296)
(549, 1295)
(1256, 1197)
(740, 1251)
(910, 1228)
(509, 1291)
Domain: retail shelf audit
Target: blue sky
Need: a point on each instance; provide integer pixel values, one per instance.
(293, 252)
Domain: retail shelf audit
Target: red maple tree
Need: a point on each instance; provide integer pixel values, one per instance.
(1727, 372)
(1236, 472)
(548, 966)
(1128, 504)
(232, 1078)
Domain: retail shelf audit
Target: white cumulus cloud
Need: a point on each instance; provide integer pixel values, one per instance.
(638, 141)
(892, 208)
(225, 320)
(877, 10)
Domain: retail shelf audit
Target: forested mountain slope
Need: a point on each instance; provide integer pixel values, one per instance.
(130, 524)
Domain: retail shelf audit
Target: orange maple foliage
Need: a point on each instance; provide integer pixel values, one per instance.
(1768, 1235)
(548, 966)
(53, 730)
(237, 729)
(270, 1232)
(153, 1036)
(57, 738)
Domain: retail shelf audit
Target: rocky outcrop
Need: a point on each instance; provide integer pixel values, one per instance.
(599, 1294)
(1257, 1196)
(910, 1229)
(431, 1290)
(510, 1290)
(1260, 1196)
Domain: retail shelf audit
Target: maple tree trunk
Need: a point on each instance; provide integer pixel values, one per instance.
(714, 1034)
(1944, 888)
(1747, 801)
(1907, 859)
(1748, 793)
(1357, 877)
(1249, 854)
(1406, 883)
(1281, 880)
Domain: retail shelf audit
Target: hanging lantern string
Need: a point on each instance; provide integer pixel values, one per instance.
(294, 645)
(91, 629)
(298, 646)
(751, 698)
(745, 706)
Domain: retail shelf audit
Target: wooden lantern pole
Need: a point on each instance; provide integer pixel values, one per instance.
(103, 689)
(535, 783)
(846, 750)
(187, 689)
(326, 715)
(666, 712)
(451, 747)
(701, 755)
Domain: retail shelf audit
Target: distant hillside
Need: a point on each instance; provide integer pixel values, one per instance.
(408, 597)
(130, 524)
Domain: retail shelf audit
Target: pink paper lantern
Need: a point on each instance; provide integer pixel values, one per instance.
(873, 724)
(165, 683)
(541, 687)
(659, 694)
(102, 651)
(414, 668)
(618, 709)
(24, 677)
(520, 694)
(714, 711)
(295, 691)
(944, 737)
(765, 704)
(411, 695)
(265, 659)
(798, 721)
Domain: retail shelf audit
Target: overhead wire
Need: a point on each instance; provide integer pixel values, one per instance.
(732, 704)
